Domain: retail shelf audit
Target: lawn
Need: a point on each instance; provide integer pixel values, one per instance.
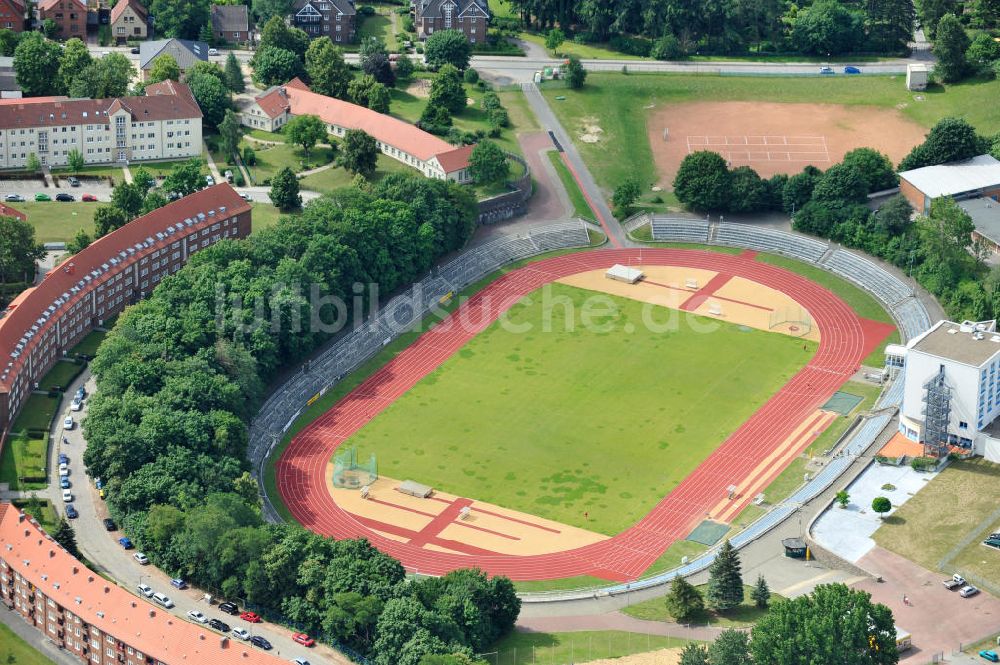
(746, 614)
(23, 457)
(337, 177)
(580, 206)
(950, 507)
(60, 376)
(88, 346)
(36, 414)
(15, 650)
(163, 169)
(43, 513)
(271, 159)
(378, 25)
(546, 402)
(55, 221)
(264, 215)
(618, 105)
(578, 647)
(264, 135)
(116, 173)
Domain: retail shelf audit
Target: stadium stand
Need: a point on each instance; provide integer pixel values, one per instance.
(882, 284)
(555, 236)
(676, 229)
(771, 240)
(912, 317)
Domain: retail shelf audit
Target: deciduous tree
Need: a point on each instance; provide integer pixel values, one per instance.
(278, 34)
(950, 140)
(626, 193)
(881, 505)
(447, 47)
(285, 190)
(75, 160)
(306, 131)
(274, 66)
(75, 58)
(702, 181)
(164, 68)
(375, 61)
(554, 39)
(328, 72)
(184, 178)
(36, 65)
(180, 18)
(950, 45)
(447, 89)
(731, 647)
(576, 75)
(108, 218)
(360, 154)
(488, 163)
(18, 250)
(212, 97)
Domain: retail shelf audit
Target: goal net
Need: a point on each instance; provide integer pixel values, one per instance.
(793, 320)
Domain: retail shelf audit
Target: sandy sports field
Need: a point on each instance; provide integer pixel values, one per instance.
(775, 138)
(658, 657)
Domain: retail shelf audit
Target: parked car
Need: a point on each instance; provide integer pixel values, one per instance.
(81, 392)
(141, 558)
(71, 511)
(178, 583)
(14, 198)
(88, 197)
(67, 496)
(955, 582)
(64, 483)
(300, 661)
(228, 176)
(229, 608)
(97, 483)
(213, 51)
(968, 591)
(75, 405)
(68, 422)
(63, 458)
(195, 615)
(73, 181)
(63, 469)
(209, 181)
(100, 493)
(109, 524)
(163, 599)
(241, 633)
(247, 198)
(42, 197)
(173, 196)
(989, 655)
(260, 642)
(252, 617)
(221, 626)
(826, 70)
(145, 590)
(65, 198)
(851, 69)
(992, 542)
(303, 639)
(125, 542)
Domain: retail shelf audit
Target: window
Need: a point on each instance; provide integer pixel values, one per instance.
(963, 425)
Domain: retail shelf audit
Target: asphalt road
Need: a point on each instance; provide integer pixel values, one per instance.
(101, 547)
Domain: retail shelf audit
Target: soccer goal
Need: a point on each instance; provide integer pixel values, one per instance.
(351, 474)
(793, 320)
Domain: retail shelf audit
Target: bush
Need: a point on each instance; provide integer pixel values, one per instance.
(923, 463)
(499, 117)
(585, 38)
(408, 24)
(491, 101)
(470, 76)
(631, 45)
(366, 10)
(238, 180)
(667, 47)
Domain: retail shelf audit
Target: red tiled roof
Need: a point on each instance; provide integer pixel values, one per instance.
(110, 608)
(32, 100)
(273, 103)
(48, 5)
(455, 160)
(120, 6)
(31, 304)
(7, 211)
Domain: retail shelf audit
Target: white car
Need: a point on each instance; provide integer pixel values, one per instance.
(163, 599)
(64, 469)
(300, 661)
(145, 590)
(241, 633)
(68, 423)
(213, 51)
(968, 591)
(141, 558)
(67, 496)
(76, 404)
(195, 615)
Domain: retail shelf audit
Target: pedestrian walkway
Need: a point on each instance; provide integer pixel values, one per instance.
(127, 172)
(211, 163)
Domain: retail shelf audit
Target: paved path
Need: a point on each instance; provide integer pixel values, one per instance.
(615, 621)
(549, 201)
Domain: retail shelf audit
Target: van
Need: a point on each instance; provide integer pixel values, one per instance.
(163, 599)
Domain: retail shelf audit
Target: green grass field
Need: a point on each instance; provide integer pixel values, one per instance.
(618, 105)
(379, 25)
(16, 651)
(580, 206)
(746, 614)
(89, 344)
(566, 648)
(524, 420)
(36, 414)
(61, 375)
(22, 457)
(55, 221)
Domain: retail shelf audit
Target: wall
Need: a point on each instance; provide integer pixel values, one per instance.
(511, 204)
(913, 195)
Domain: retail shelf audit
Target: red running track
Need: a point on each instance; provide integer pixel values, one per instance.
(846, 339)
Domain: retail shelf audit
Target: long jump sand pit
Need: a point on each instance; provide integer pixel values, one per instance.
(776, 138)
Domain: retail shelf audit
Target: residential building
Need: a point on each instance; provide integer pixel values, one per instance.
(9, 87)
(12, 15)
(44, 322)
(69, 15)
(335, 19)
(951, 388)
(129, 20)
(184, 51)
(231, 23)
(471, 17)
(94, 620)
(163, 124)
(976, 177)
(429, 154)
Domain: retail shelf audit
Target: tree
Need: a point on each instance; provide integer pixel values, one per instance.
(693, 654)
(184, 178)
(881, 505)
(983, 51)
(702, 181)
(127, 197)
(725, 581)
(842, 498)
(683, 602)
(798, 189)
(106, 77)
(143, 179)
(625, 194)
(109, 218)
(274, 66)
(379, 98)
(447, 47)
(285, 190)
(64, 535)
(875, 168)
(826, 28)
(249, 155)
(668, 47)
(488, 163)
(931, 12)
(207, 35)
(985, 13)
(212, 97)
(328, 72)
(841, 624)
(366, 91)
(374, 60)
(8, 42)
(841, 182)
(950, 140)
(264, 10)
(890, 24)
(164, 68)
(209, 68)
(404, 68)
(950, 44)
(748, 192)
(80, 242)
(761, 593)
(75, 58)
(306, 131)
(277, 34)
(75, 160)
(229, 135)
(180, 18)
(447, 90)
(152, 201)
(36, 65)
(895, 216)
(360, 153)
(470, 76)
(554, 39)
(33, 164)
(731, 647)
(576, 75)
(18, 250)
(234, 74)
(51, 29)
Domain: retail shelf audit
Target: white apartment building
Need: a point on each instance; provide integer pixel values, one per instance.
(163, 124)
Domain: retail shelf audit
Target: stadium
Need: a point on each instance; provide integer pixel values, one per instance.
(571, 452)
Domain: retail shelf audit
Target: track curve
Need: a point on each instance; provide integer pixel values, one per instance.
(300, 470)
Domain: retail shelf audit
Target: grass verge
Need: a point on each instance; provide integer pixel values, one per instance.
(580, 206)
(15, 650)
(746, 614)
(519, 648)
(36, 414)
(55, 221)
(89, 344)
(23, 457)
(60, 376)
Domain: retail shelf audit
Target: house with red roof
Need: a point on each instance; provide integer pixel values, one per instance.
(129, 20)
(12, 15)
(406, 143)
(69, 15)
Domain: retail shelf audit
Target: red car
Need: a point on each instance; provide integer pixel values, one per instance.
(303, 639)
(252, 617)
(89, 197)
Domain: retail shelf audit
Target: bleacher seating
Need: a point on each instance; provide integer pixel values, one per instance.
(879, 282)
(676, 229)
(771, 240)
(559, 236)
(912, 317)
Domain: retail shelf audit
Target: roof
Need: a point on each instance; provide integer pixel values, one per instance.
(618, 271)
(55, 572)
(7, 211)
(985, 214)
(384, 128)
(46, 5)
(120, 6)
(455, 159)
(230, 18)
(955, 177)
(31, 305)
(32, 100)
(958, 342)
(184, 51)
(432, 8)
(345, 7)
(273, 103)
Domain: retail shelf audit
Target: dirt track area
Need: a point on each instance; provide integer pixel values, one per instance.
(658, 657)
(775, 138)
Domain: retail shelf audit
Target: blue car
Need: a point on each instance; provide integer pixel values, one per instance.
(71, 511)
(125, 542)
(64, 483)
(851, 70)
(63, 458)
(178, 583)
(990, 656)
(99, 484)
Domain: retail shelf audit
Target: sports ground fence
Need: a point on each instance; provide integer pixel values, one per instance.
(290, 399)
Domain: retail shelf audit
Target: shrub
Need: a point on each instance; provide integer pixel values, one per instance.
(499, 118)
(923, 463)
(631, 45)
(470, 76)
(366, 10)
(667, 47)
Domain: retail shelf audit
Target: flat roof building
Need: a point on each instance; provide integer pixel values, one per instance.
(972, 178)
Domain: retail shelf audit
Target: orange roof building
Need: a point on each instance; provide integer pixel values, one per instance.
(93, 619)
(429, 154)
